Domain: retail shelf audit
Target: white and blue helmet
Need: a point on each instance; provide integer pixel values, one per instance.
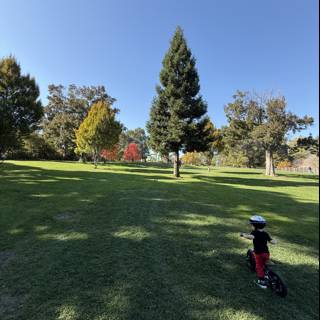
(258, 221)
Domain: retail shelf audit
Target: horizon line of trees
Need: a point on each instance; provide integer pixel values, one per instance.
(80, 122)
(257, 124)
(298, 152)
(29, 130)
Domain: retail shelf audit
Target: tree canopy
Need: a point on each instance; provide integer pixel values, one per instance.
(20, 106)
(137, 136)
(157, 125)
(99, 130)
(177, 116)
(65, 111)
(131, 153)
(258, 122)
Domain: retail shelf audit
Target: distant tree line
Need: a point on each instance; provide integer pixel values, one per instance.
(256, 136)
(80, 122)
(257, 130)
(257, 124)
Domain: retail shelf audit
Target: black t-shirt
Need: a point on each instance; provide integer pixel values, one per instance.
(260, 241)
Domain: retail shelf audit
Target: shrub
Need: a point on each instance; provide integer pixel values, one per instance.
(284, 164)
(131, 153)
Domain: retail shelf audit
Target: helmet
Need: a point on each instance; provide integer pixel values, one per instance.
(258, 221)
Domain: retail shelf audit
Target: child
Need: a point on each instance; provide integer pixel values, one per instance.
(260, 243)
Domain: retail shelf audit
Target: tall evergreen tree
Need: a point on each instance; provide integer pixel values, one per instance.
(157, 126)
(20, 107)
(177, 118)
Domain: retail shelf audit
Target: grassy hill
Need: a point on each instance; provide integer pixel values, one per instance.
(132, 242)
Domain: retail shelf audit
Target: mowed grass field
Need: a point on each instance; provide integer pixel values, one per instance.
(132, 242)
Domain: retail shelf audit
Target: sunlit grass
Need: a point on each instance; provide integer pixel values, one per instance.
(129, 241)
(132, 233)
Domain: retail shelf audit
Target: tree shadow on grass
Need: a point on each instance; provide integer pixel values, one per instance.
(148, 171)
(140, 249)
(299, 176)
(257, 172)
(260, 182)
(238, 172)
(139, 164)
(163, 171)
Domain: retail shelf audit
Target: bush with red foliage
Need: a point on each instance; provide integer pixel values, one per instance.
(110, 155)
(131, 153)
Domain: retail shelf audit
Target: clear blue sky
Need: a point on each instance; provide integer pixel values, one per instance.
(248, 44)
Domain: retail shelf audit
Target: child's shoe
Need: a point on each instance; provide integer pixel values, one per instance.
(261, 283)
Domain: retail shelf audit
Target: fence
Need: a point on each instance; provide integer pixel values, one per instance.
(301, 170)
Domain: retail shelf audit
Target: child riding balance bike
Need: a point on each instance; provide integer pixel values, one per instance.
(260, 243)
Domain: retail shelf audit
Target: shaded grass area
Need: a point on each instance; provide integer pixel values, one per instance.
(131, 242)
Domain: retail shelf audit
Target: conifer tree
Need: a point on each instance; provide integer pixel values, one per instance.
(177, 118)
(157, 126)
(20, 106)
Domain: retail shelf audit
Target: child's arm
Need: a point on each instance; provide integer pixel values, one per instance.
(247, 236)
(273, 241)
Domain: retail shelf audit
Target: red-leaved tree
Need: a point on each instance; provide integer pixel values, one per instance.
(110, 155)
(131, 153)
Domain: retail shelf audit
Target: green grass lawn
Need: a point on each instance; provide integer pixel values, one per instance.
(132, 242)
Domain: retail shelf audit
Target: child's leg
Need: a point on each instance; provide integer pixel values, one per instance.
(266, 257)
(260, 261)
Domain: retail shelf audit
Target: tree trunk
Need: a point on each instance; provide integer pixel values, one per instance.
(1, 155)
(176, 165)
(270, 170)
(95, 160)
(64, 153)
(84, 159)
(165, 158)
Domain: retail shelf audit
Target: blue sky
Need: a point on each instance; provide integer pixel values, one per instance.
(247, 45)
